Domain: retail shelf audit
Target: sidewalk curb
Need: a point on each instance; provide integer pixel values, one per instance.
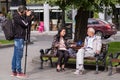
(11, 45)
(6, 45)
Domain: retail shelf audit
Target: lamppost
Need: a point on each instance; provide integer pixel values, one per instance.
(46, 16)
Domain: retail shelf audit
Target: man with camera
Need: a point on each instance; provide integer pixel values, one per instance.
(21, 18)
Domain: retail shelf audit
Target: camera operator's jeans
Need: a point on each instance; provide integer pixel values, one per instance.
(18, 54)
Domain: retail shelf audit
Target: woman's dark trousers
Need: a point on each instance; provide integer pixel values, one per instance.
(62, 57)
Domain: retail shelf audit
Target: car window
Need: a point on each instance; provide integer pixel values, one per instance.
(95, 22)
(90, 21)
(105, 22)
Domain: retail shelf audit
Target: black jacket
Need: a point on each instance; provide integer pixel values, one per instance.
(21, 24)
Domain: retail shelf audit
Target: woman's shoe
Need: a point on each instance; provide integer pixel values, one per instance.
(63, 69)
(58, 70)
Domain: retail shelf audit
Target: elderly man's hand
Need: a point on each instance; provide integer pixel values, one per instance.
(72, 45)
(97, 52)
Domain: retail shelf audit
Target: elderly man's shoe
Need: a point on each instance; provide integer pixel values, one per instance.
(82, 72)
(77, 72)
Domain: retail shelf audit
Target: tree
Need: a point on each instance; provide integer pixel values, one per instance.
(35, 1)
(18, 2)
(83, 9)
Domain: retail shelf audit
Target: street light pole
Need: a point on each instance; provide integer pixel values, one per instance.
(46, 17)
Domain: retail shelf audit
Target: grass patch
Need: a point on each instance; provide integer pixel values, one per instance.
(6, 42)
(114, 47)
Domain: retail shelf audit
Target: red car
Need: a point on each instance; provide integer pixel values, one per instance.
(102, 28)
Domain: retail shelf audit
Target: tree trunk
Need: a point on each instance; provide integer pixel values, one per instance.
(81, 24)
(7, 6)
(63, 18)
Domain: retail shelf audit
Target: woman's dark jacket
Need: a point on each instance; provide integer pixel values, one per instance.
(55, 42)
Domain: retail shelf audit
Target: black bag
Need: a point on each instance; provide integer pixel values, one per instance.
(8, 29)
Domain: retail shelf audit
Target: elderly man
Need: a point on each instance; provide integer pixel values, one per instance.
(92, 46)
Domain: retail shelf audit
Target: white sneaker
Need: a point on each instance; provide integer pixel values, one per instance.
(77, 72)
(82, 72)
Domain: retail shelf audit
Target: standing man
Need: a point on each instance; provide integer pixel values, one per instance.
(21, 22)
(91, 47)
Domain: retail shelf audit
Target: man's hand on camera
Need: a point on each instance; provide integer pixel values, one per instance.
(28, 13)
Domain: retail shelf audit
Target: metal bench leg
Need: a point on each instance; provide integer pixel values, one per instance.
(110, 62)
(96, 72)
(41, 63)
(105, 67)
(51, 61)
(104, 63)
(41, 58)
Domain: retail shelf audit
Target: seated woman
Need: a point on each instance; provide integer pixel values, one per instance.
(60, 48)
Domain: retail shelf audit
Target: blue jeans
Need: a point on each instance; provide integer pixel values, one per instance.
(18, 54)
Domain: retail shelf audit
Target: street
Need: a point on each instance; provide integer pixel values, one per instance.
(41, 40)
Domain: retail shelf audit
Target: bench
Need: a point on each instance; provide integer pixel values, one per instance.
(112, 59)
(100, 57)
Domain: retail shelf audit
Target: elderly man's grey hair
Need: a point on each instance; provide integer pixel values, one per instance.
(91, 30)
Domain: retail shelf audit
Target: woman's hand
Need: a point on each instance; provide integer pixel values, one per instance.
(72, 45)
(57, 44)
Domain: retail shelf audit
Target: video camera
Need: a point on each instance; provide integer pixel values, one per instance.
(32, 12)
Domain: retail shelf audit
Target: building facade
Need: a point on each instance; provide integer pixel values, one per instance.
(4, 5)
(54, 12)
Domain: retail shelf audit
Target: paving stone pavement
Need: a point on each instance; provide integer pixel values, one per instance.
(48, 73)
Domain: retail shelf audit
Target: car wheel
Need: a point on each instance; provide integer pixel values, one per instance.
(99, 33)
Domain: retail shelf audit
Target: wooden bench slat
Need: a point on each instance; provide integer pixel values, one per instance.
(48, 55)
(115, 60)
(90, 58)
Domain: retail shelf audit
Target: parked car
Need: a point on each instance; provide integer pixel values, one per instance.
(102, 28)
